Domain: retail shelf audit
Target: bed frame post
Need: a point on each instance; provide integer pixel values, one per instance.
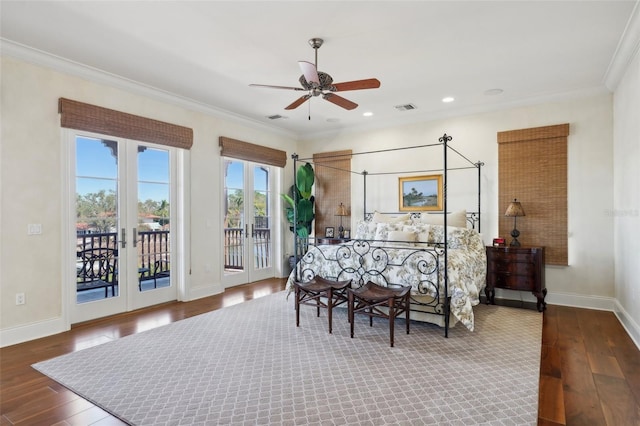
(447, 300)
(294, 156)
(479, 165)
(364, 179)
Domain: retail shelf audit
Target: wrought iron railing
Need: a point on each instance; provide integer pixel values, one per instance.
(234, 240)
(153, 250)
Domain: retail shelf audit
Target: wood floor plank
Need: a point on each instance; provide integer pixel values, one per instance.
(40, 401)
(551, 400)
(583, 409)
(550, 326)
(618, 403)
(605, 365)
(595, 337)
(60, 413)
(550, 362)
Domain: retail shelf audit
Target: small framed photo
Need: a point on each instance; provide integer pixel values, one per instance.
(329, 232)
(347, 234)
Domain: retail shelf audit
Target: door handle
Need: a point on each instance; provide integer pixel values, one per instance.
(123, 238)
(246, 230)
(135, 237)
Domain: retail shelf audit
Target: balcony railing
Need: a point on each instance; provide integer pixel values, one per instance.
(234, 248)
(152, 246)
(153, 249)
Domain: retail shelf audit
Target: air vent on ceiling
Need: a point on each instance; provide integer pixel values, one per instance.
(275, 117)
(405, 107)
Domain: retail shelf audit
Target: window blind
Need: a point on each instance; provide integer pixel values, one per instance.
(332, 187)
(92, 118)
(532, 167)
(250, 152)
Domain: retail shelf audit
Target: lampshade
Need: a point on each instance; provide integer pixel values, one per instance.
(515, 209)
(342, 210)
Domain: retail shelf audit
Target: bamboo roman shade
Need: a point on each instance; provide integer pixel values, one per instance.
(250, 152)
(92, 118)
(332, 187)
(532, 167)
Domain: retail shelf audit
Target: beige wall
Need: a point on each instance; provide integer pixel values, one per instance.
(589, 278)
(31, 190)
(626, 206)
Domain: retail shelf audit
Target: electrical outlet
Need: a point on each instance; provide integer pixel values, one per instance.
(20, 300)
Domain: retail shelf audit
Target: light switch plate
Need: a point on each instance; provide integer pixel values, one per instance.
(34, 229)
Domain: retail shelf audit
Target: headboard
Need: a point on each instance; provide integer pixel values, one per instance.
(473, 218)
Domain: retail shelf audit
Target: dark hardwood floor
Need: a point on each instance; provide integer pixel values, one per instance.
(589, 369)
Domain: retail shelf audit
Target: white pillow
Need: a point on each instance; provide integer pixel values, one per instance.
(422, 231)
(383, 229)
(405, 236)
(365, 230)
(381, 218)
(457, 219)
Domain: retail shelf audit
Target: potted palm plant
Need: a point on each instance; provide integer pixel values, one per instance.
(300, 208)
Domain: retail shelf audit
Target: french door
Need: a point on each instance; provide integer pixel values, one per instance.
(248, 204)
(121, 225)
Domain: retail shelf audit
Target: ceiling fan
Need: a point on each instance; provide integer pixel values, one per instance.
(318, 83)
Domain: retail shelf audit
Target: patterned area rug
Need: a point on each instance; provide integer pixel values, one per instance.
(249, 364)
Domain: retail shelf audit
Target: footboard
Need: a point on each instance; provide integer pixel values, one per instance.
(385, 264)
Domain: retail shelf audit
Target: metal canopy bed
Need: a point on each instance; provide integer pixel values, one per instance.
(445, 265)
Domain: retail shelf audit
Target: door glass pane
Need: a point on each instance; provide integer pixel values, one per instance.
(153, 238)
(234, 223)
(96, 180)
(262, 218)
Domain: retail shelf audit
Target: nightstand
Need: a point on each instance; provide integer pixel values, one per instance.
(331, 240)
(516, 268)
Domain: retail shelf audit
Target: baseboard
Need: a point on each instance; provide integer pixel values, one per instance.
(578, 301)
(25, 333)
(632, 328)
(201, 292)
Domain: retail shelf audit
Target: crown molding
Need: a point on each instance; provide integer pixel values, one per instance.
(57, 63)
(627, 49)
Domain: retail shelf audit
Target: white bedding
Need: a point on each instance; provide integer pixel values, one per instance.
(408, 263)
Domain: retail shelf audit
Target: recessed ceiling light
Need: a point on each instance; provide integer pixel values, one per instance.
(493, 92)
(367, 114)
(448, 99)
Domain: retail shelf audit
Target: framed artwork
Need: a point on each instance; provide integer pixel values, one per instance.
(420, 193)
(347, 234)
(329, 232)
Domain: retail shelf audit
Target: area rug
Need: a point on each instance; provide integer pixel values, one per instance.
(249, 364)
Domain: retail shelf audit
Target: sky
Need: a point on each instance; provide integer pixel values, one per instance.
(97, 168)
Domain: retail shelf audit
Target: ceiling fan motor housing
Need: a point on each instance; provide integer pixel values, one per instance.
(325, 82)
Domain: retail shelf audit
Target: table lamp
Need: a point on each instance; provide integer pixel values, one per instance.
(341, 211)
(514, 210)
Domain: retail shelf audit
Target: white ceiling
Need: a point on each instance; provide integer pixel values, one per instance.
(209, 52)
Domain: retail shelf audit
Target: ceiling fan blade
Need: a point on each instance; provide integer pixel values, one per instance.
(370, 83)
(298, 102)
(310, 72)
(340, 101)
(277, 87)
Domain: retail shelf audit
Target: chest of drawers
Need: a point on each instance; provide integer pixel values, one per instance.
(516, 268)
